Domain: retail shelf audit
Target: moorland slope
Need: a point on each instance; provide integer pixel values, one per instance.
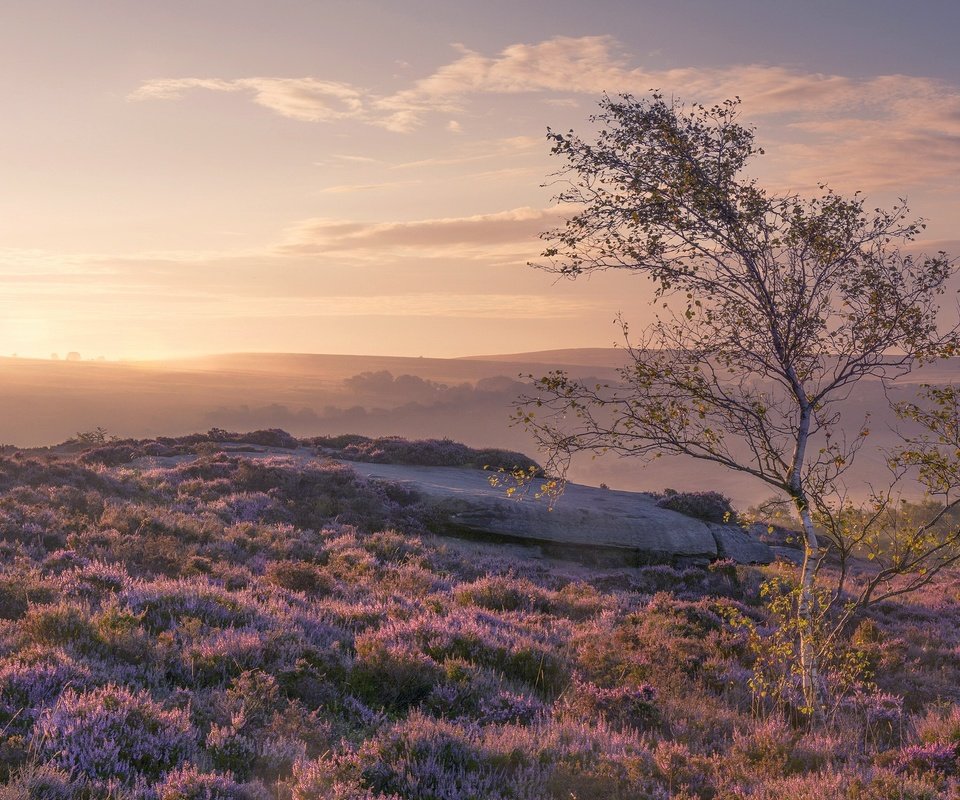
(205, 622)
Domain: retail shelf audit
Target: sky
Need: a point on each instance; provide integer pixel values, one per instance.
(203, 176)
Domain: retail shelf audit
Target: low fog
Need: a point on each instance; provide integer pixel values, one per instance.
(46, 402)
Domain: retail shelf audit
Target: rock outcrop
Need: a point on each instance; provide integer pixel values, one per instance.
(599, 526)
(738, 545)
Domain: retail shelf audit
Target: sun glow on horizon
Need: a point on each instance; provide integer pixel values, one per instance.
(352, 183)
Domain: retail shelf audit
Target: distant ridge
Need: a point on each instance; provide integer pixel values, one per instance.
(580, 356)
(583, 356)
(582, 361)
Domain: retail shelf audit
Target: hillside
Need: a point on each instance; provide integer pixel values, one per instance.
(216, 620)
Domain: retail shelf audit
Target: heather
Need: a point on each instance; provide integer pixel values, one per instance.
(98, 447)
(708, 506)
(206, 622)
(420, 452)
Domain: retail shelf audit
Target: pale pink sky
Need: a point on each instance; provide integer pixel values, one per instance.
(364, 177)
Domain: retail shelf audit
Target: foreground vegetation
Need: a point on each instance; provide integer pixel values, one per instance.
(222, 624)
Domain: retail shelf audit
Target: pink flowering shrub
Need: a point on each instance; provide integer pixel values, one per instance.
(395, 677)
(259, 731)
(940, 725)
(189, 783)
(34, 679)
(46, 781)
(500, 593)
(223, 653)
(487, 641)
(423, 452)
(249, 507)
(113, 733)
(668, 643)
(425, 758)
(14, 601)
(272, 437)
(468, 692)
(93, 580)
(110, 455)
(621, 707)
(163, 602)
(880, 714)
(510, 593)
(59, 623)
(221, 622)
(931, 757)
(299, 576)
(709, 506)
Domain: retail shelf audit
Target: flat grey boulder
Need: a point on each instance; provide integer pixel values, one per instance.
(586, 522)
(735, 543)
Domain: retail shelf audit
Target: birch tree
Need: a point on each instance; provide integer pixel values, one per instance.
(770, 308)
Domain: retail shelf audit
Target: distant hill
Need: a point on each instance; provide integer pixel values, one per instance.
(608, 357)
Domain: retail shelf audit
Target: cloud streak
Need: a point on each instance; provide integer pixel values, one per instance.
(305, 99)
(36, 300)
(566, 65)
(426, 304)
(513, 233)
(350, 188)
(874, 132)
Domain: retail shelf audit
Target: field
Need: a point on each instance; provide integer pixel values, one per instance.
(200, 623)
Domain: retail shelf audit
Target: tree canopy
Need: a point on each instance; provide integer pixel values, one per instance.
(771, 307)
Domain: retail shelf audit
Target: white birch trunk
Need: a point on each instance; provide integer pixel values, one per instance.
(809, 673)
(811, 552)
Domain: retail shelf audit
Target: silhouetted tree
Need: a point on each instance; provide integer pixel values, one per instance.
(771, 307)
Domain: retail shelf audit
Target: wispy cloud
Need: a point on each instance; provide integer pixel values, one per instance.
(872, 132)
(351, 159)
(484, 150)
(563, 64)
(504, 234)
(306, 99)
(506, 172)
(917, 143)
(349, 188)
(427, 304)
(141, 287)
(29, 299)
(488, 237)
